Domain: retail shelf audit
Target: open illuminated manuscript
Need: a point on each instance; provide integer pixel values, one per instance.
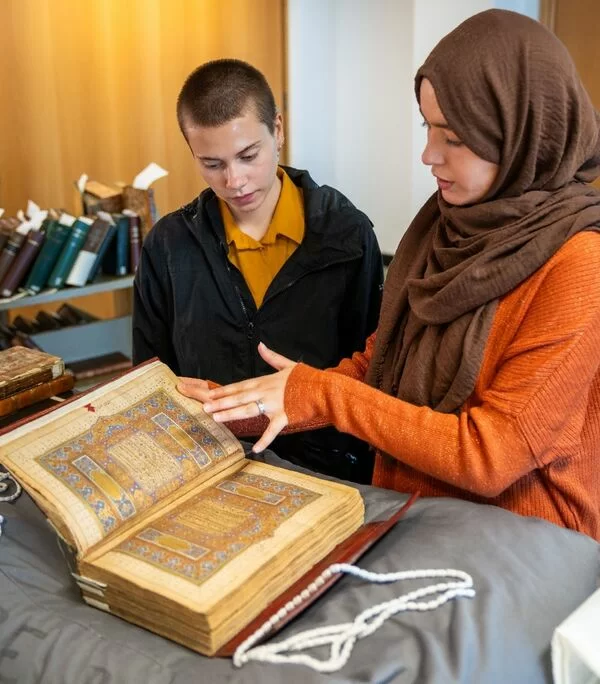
(172, 528)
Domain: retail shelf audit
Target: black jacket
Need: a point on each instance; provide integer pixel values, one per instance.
(194, 310)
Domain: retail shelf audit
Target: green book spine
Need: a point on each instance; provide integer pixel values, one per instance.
(56, 236)
(69, 252)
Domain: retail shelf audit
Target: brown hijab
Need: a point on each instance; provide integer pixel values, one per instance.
(510, 91)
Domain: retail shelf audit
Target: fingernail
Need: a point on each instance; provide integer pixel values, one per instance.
(207, 408)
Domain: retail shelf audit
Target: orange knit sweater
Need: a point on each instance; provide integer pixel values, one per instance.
(528, 439)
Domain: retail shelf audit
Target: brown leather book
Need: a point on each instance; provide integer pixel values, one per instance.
(143, 204)
(71, 315)
(40, 392)
(22, 368)
(18, 269)
(25, 325)
(10, 251)
(48, 321)
(135, 242)
(100, 197)
(99, 365)
(7, 228)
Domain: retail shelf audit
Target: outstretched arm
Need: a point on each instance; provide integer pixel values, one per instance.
(528, 414)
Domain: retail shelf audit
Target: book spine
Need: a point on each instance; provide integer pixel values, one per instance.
(10, 252)
(4, 238)
(69, 252)
(81, 268)
(87, 373)
(116, 261)
(89, 252)
(25, 382)
(22, 262)
(135, 243)
(47, 389)
(55, 240)
(143, 203)
(122, 246)
(110, 234)
(92, 205)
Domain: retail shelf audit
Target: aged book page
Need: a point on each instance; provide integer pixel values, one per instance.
(101, 460)
(213, 561)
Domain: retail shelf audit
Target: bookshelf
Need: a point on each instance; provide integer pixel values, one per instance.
(102, 284)
(79, 341)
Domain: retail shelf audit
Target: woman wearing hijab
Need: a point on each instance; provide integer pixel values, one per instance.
(482, 380)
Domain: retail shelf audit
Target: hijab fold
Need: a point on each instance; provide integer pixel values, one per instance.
(510, 91)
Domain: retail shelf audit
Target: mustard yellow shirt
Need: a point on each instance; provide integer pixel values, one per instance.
(260, 261)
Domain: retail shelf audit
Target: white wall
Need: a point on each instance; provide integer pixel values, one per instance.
(347, 78)
(433, 19)
(311, 93)
(373, 133)
(348, 72)
(353, 118)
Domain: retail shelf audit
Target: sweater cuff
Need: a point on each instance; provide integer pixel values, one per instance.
(304, 398)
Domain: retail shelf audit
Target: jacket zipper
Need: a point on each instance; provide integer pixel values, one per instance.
(250, 332)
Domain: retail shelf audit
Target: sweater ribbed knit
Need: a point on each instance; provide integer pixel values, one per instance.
(528, 438)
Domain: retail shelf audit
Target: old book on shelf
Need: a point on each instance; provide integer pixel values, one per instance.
(57, 234)
(172, 527)
(104, 247)
(7, 228)
(33, 395)
(135, 239)
(68, 254)
(22, 263)
(142, 203)
(101, 197)
(22, 368)
(11, 249)
(116, 258)
(99, 365)
(88, 254)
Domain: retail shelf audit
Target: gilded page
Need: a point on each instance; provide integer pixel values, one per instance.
(227, 549)
(101, 460)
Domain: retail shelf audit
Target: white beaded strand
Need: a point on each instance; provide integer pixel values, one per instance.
(7, 497)
(4, 486)
(342, 637)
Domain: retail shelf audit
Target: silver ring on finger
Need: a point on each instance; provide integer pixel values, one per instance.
(261, 407)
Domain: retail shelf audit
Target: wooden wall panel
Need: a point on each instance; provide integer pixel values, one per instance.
(576, 24)
(91, 87)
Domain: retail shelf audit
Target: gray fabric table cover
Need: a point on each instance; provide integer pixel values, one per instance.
(529, 575)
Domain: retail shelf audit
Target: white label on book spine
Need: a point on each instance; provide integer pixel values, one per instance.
(81, 268)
